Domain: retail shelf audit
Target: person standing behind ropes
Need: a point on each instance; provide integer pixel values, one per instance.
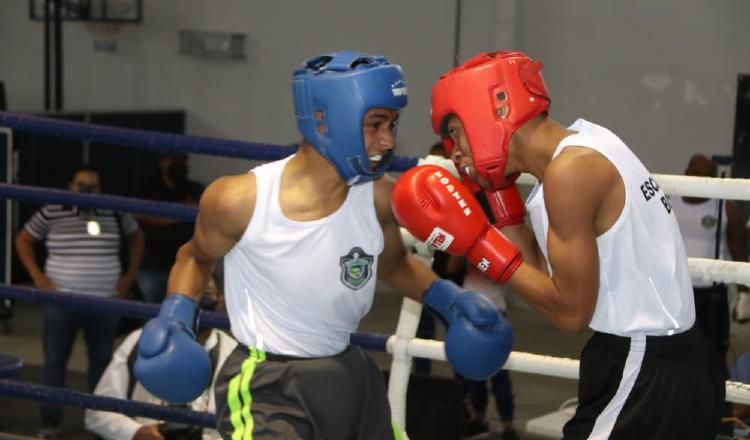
(698, 219)
(165, 235)
(83, 247)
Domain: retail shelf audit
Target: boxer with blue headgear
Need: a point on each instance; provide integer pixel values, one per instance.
(332, 93)
(302, 248)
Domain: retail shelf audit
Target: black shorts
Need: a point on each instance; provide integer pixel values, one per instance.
(651, 387)
(264, 396)
(712, 316)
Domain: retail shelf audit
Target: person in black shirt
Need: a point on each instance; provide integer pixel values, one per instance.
(165, 235)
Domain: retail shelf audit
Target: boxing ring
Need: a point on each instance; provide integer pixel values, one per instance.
(402, 345)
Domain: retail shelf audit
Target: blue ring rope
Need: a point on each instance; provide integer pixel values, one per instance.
(150, 140)
(43, 393)
(137, 309)
(153, 140)
(112, 306)
(33, 194)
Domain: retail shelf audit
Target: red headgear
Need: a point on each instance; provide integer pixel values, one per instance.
(493, 95)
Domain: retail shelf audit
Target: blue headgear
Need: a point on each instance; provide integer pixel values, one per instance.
(334, 91)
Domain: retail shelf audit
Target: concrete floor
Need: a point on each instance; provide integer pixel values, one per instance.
(534, 395)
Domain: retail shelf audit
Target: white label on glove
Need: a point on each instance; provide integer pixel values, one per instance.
(483, 265)
(439, 239)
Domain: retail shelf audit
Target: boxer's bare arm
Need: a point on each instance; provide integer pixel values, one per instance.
(573, 199)
(225, 211)
(396, 267)
(523, 237)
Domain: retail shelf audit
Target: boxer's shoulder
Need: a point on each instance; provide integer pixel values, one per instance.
(229, 201)
(382, 189)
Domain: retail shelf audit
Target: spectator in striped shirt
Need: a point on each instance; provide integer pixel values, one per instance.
(83, 256)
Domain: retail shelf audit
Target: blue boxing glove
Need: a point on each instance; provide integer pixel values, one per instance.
(479, 339)
(171, 365)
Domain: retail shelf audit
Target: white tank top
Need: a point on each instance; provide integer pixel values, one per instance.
(698, 226)
(644, 282)
(300, 288)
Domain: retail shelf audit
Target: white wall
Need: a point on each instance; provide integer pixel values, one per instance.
(248, 100)
(660, 73)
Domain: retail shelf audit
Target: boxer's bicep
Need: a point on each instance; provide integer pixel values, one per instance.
(572, 202)
(523, 237)
(393, 245)
(399, 269)
(225, 211)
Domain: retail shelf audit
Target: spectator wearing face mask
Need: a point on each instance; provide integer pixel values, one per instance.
(83, 256)
(165, 235)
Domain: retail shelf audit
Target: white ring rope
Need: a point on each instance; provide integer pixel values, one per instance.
(709, 270)
(404, 346)
(738, 392)
(397, 344)
(709, 187)
(704, 269)
(521, 362)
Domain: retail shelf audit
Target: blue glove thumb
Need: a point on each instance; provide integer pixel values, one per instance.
(177, 312)
(171, 364)
(477, 307)
(479, 340)
(157, 340)
(179, 374)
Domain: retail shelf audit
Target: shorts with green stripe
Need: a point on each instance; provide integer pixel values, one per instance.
(265, 396)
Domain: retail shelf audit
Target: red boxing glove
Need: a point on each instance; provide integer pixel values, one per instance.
(506, 206)
(437, 209)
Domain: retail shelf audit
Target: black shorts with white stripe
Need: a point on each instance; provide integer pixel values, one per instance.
(647, 387)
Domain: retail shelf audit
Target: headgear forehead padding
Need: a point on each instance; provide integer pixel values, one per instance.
(493, 95)
(332, 93)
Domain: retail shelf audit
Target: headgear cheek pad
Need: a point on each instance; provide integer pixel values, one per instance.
(493, 95)
(332, 93)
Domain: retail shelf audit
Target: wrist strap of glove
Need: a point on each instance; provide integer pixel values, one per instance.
(495, 256)
(506, 206)
(472, 186)
(440, 296)
(183, 309)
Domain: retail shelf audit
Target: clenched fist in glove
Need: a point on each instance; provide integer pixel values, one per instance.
(478, 340)
(171, 364)
(439, 210)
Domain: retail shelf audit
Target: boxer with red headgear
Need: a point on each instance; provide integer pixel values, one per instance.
(493, 95)
(603, 251)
